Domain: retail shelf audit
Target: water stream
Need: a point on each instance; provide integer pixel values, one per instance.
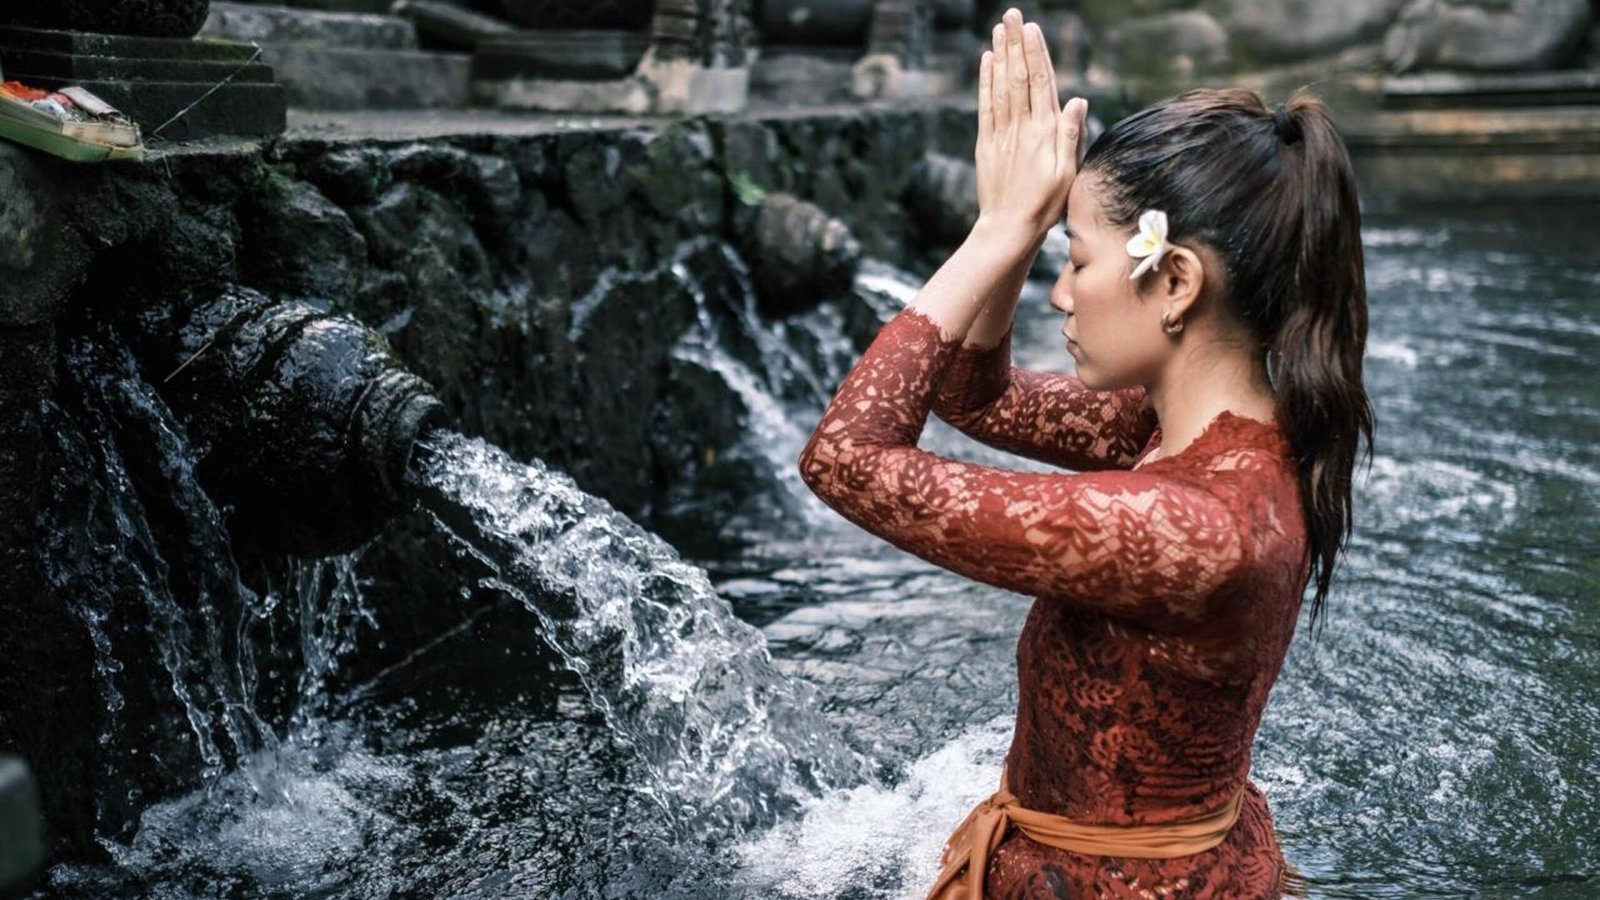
(809, 715)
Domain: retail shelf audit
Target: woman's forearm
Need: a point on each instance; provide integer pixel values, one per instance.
(1000, 311)
(973, 295)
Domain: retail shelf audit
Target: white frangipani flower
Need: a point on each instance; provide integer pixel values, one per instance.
(1151, 241)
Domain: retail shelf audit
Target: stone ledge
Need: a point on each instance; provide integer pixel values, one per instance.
(261, 24)
(318, 77)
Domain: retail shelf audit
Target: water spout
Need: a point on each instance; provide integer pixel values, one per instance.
(307, 419)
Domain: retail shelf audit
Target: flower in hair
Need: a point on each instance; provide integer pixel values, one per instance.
(1151, 241)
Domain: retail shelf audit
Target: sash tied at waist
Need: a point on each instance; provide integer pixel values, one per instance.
(976, 837)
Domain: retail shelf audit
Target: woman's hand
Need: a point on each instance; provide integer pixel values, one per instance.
(1027, 152)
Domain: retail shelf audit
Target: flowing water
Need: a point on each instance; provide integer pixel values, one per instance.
(810, 715)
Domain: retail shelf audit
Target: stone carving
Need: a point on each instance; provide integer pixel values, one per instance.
(1282, 30)
(1487, 36)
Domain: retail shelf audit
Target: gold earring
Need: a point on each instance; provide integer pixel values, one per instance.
(1170, 327)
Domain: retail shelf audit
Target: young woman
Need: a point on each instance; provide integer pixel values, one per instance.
(1216, 306)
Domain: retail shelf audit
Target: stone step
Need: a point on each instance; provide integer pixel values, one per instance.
(318, 77)
(212, 87)
(578, 54)
(262, 24)
(113, 68)
(1574, 87)
(93, 43)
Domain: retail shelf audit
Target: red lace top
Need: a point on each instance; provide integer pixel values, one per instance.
(1166, 593)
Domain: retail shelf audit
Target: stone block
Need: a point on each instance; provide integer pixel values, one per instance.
(582, 55)
(318, 77)
(346, 60)
(803, 75)
(254, 23)
(1449, 90)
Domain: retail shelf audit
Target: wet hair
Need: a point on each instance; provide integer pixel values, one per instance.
(1272, 192)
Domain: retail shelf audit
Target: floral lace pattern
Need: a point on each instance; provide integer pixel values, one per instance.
(1165, 596)
(1047, 416)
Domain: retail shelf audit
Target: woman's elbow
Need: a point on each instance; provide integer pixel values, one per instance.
(815, 462)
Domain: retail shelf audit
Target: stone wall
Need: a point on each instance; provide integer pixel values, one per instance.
(527, 277)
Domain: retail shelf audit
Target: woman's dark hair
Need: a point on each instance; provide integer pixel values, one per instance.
(1272, 192)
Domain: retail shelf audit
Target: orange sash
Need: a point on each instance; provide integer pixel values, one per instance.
(976, 837)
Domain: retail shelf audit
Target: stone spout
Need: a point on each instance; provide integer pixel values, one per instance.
(799, 252)
(306, 420)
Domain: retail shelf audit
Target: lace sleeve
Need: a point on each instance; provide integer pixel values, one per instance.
(1141, 546)
(1048, 416)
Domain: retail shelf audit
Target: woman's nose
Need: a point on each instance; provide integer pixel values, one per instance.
(1061, 294)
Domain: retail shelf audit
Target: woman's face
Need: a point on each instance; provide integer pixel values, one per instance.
(1114, 335)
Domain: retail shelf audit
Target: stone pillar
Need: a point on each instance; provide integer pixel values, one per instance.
(898, 40)
(696, 60)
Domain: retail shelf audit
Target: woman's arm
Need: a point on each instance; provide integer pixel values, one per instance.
(1130, 544)
(1150, 549)
(1048, 416)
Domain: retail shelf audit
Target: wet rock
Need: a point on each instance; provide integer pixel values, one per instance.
(944, 193)
(299, 244)
(350, 175)
(494, 191)
(1487, 36)
(41, 255)
(623, 336)
(1283, 30)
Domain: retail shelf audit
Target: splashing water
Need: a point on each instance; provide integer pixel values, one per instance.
(727, 742)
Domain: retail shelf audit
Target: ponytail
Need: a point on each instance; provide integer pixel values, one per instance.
(1274, 194)
(1317, 350)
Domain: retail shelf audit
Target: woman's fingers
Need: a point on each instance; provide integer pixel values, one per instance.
(1043, 103)
(999, 97)
(1050, 67)
(1016, 67)
(1069, 133)
(985, 95)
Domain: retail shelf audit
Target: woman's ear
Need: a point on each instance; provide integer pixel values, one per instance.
(1181, 279)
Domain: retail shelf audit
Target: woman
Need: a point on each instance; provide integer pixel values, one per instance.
(1216, 306)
